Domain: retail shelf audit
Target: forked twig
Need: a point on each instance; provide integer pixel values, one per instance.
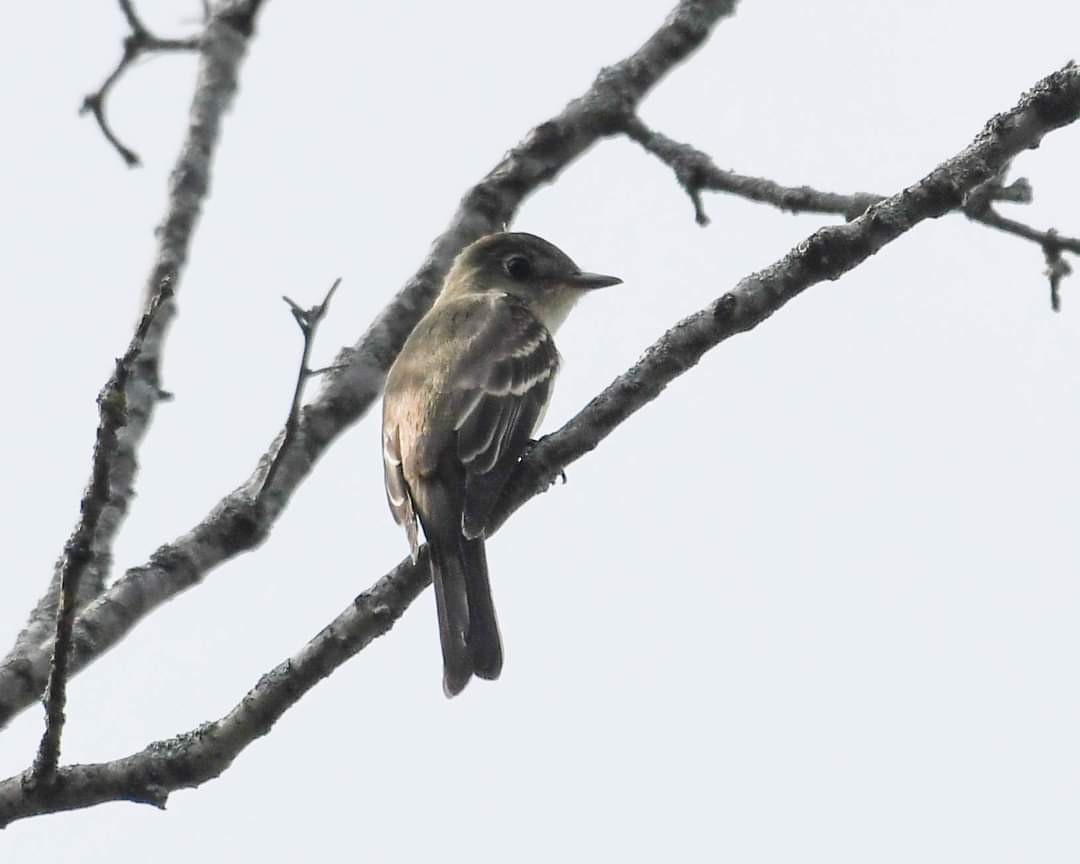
(308, 321)
(138, 42)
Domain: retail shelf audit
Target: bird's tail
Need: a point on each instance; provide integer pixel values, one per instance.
(468, 630)
(485, 646)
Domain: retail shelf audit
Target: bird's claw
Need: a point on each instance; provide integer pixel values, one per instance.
(527, 455)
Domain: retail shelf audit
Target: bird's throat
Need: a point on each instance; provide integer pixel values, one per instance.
(553, 307)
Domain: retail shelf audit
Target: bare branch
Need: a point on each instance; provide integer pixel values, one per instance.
(138, 42)
(1046, 239)
(25, 669)
(235, 525)
(190, 759)
(308, 321)
(78, 552)
(696, 171)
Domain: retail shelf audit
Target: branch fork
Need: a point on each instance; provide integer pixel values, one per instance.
(308, 320)
(138, 42)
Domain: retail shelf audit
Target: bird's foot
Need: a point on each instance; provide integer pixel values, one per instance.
(525, 456)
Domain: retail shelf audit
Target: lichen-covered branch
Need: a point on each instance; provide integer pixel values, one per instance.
(222, 48)
(202, 754)
(236, 525)
(78, 552)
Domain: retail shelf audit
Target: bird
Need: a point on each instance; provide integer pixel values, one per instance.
(462, 401)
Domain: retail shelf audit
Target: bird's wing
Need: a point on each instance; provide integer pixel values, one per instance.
(468, 412)
(397, 490)
(498, 391)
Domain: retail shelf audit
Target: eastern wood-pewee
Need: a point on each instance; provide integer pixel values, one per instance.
(461, 403)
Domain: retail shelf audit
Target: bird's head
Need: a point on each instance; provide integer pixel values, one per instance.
(527, 267)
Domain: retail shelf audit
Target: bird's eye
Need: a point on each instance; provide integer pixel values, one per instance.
(518, 267)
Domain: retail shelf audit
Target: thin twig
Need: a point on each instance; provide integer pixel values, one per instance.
(138, 42)
(696, 172)
(78, 552)
(308, 320)
(1049, 238)
(979, 206)
(1057, 268)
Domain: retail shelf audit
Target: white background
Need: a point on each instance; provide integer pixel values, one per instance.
(819, 602)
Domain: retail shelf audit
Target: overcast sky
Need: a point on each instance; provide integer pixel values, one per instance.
(818, 602)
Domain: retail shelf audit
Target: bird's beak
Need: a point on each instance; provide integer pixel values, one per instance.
(590, 281)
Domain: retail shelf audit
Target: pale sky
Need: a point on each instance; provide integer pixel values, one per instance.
(818, 602)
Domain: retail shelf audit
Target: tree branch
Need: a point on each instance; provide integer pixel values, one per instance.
(308, 320)
(138, 42)
(235, 525)
(78, 552)
(1057, 268)
(1049, 239)
(696, 172)
(190, 759)
(24, 670)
